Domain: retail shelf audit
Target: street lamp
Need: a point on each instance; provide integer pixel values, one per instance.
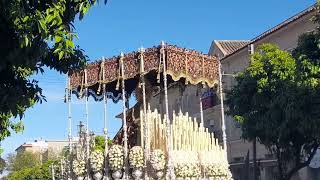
(223, 126)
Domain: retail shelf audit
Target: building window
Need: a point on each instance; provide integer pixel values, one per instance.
(209, 99)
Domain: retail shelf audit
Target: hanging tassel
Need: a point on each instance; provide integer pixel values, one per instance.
(159, 71)
(101, 76)
(186, 68)
(119, 75)
(158, 78)
(118, 84)
(81, 86)
(159, 68)
(204, 85)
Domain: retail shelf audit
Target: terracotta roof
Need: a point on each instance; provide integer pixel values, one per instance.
(230, 46)
(278, 27)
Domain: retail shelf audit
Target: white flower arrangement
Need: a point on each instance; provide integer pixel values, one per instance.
(187, 170)
(215, 165)
(186, 164)
(116, 157)
(79, 167)
(96, 160)
(136, 157)
(158, 160)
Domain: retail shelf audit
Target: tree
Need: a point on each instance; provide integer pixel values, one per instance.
(42, 172)
(2, 165)
(23, 160)
(272, 103)
(34, 34)
(277, 100)
(100, 143)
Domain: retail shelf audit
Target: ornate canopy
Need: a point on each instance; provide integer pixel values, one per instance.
(182, 64)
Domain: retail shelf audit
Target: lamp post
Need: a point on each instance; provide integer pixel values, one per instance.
(223, 125)
(224, 136)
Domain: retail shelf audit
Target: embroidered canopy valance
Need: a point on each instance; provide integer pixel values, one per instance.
(182, 64)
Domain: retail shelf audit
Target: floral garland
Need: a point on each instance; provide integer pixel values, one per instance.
(116, 157)
(136, 157)
(158, 160)
(79, 167)
(186, 164)
(96, 160)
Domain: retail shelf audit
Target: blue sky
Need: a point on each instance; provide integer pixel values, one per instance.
(127, 25)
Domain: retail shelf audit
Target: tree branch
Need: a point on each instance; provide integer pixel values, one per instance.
(304, 164)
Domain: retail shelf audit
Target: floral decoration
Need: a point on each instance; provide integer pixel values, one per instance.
(136, 157)
(215, 165)
(79, 167)
(96, 160)
(158, 160)
(186, 164)
(116, 157)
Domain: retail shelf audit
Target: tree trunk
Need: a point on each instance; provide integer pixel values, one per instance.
(280, 168)
(287, 175)
(254, 144)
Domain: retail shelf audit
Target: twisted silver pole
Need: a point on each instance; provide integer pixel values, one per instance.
(68, 101)
(87, 124)
(145, 138)
(105, 129)
(200, 104)
(170, 170)
(125, 133)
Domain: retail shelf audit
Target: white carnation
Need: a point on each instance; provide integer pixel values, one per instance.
(136, 157)
(215, 165)
(116, 157)
(158, 160)
(79, 167)
(186, 164)
(96, 160)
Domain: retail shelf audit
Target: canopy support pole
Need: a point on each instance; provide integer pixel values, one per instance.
(105, 129)
(87, 125)
(145, 134)
(200, 105)
(170, 170)
(68, 101)
(125, 129)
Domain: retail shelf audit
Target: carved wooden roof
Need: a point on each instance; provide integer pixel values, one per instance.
(181, 63)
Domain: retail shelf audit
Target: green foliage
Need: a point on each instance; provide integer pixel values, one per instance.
(2, 165)
(23, 160)
(277, 101)
(268, 74)
(99, 143)
(34, 34)
(40, 172)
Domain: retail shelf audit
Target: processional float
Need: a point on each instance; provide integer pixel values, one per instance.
(176, 148)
